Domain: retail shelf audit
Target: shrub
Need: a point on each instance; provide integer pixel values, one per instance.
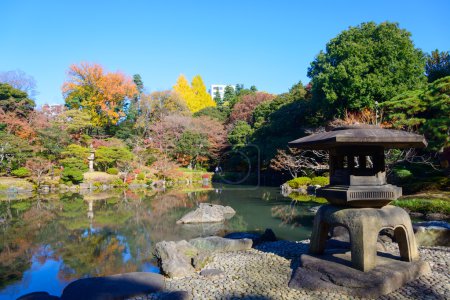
(112, 171)
(21, 172)
(118, 183)
(320, 180)
(402, 174)
(140, 176)
(307, 198)
(72, 175)
(299, 182)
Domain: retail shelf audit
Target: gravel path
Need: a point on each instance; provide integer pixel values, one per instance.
(264, 273)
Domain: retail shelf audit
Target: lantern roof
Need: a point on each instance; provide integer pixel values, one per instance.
(360, 135)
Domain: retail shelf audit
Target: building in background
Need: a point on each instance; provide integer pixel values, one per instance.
(220, 88)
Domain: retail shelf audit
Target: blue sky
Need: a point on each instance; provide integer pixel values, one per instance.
(269, 44)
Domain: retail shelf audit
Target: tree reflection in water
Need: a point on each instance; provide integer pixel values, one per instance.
(113, 232)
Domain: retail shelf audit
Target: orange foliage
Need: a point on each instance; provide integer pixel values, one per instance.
(102, 94)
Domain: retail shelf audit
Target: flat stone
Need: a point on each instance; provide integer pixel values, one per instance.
(216, 243)
(211, 272)
(176, 295)
(38, 296)
(332, 272)
(118, 286)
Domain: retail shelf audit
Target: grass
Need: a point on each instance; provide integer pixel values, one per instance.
(187, 170)
(424, 205)
(7, 182)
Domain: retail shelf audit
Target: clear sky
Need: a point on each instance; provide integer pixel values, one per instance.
(269, 44)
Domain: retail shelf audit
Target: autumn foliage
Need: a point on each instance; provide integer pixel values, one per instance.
(243, 110)
(100, 93)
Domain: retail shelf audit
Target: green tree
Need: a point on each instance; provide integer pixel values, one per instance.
(438, 65)
(217, 98)
(13, 151)
(76, 151)
(53, 139)
(15, 101)
(425, 111)
(192, 147)
(73, 170)
(240, 134)
(139, 83)
(364, 64)
(229, 96)
(108, 157)
(212, 112)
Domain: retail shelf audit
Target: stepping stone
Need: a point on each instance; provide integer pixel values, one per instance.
(118, 286)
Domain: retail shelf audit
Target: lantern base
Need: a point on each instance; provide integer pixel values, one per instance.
(332, 272)
(360, 195)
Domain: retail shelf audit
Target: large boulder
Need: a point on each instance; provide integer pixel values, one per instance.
(216, 243)
(118, 286)
(180, 259)
(208, 213)
(175, 258)
(433, 233)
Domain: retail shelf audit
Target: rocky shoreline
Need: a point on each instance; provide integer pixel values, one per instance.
(264, 272)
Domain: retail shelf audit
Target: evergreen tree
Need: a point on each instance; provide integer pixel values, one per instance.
(364, 64)
(217, 98)
(438, 65)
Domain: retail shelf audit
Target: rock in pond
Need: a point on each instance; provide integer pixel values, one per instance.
(118, 286)
(175, 258)
(433, 233)
(207, 213)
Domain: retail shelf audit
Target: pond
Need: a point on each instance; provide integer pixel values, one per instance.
(50, 240)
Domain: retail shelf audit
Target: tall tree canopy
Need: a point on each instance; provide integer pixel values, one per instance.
(438, 65)
(425, 111)
(20, 80)
(15, 101)
(101, 94)
(201, 97)
(195, 95)
(364, 64)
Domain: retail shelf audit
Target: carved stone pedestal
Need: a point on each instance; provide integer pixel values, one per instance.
(333, 272)
(364, 225)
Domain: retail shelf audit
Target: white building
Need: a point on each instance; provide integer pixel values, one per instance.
(220, 88)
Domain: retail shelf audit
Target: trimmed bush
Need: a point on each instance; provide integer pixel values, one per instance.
(112, 171)
(299, 182)
(320, 180)
(118, 183)
(307, 198)
(21, 172)
(72, 175)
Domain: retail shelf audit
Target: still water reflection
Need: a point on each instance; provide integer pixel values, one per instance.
(48, 241)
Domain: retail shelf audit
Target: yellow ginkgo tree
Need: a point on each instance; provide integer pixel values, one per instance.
(195, 95)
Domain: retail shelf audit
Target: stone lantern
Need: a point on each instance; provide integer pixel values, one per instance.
(359, 195)
(91, 158)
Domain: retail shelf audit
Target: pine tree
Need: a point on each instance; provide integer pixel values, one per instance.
(217, 98)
